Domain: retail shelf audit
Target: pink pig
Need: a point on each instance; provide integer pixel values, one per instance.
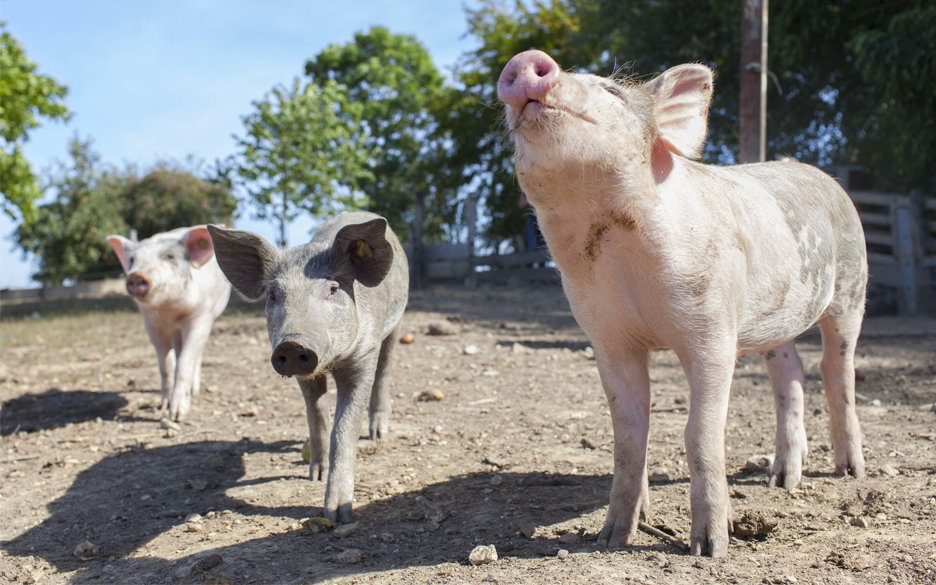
(175, 280)
(657, 250)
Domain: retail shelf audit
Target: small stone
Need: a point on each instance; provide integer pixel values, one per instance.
(408, 338)
(349, 556)
(860, 522)
(431, 395)
(659, 559)
(193, 527)
(197, 485)
(317, 524)
(442, 328)
(658, 477)
(562, 553)
(84, 549)
(214, 462)
(496, 480)
(207, 563)
(168, 424)
(387, 537)
(588, 352)
(193, 518)
(517, 348)
(35, 577)
(876, 402)
(527, 529)
(345, 530)
(906, 558)
(470, 349)
(880, 516)
(569, 538)
(889, 470)
(482, 555)
(495, 461)
(759, 463)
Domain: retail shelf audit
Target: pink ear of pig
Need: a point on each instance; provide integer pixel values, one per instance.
(198, 243)
(118, 243)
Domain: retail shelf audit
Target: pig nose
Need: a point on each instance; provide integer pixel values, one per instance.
(137, 285)
(291, 358)
(527, 77)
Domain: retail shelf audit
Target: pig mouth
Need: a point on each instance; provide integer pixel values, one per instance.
(537, 114)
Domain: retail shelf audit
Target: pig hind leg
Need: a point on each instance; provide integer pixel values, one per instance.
(839, 336)
(315, 391)
(786, 376)
(380, 395)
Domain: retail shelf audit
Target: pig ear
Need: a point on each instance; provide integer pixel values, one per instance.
(198, 244)
(122, 247)
(681, 97)
(365, 247)
(245, 259)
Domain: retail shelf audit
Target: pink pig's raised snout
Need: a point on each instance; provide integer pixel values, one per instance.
(137, 285)
(526, 78)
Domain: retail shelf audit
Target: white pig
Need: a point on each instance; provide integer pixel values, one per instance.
(175, 280)
(657, 250)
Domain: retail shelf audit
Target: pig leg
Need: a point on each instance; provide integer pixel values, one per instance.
(839, 336)
(380, 395)
(196, 383)
(162, 342)
(709, 376)
(314, 391)
(194, 336)
(627, 387)
(786, 377)
(354, 388)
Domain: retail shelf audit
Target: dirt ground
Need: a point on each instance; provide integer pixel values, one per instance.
(520, 440)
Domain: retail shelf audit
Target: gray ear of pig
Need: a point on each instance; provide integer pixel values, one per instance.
(244, 258)
(365, 248)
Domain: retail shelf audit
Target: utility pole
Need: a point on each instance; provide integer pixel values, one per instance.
(753, 118)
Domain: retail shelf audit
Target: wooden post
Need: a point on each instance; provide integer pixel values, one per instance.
(906, 256)
(753, 115)
(416, 270)
(471, 219)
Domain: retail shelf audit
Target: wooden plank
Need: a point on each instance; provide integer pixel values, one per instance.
(885, 199)
(521, 258)
(874, 218)
(546, 275)
(445, 252)
(905, 252)
(876, 238)
(881, 259)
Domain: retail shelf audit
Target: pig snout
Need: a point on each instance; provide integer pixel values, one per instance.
(291, 358)
(527, 77)
(137, 285)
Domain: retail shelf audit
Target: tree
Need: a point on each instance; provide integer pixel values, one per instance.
(304, 150)
(25, 96)
(400, 93)
(68, 236)
(168, 198)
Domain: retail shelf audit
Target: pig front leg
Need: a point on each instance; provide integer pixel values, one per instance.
(627, 386)
(380, 395)
(839, 336)
(194, 337)
(354, 388)
(786, 376)
(165, 355)
(314, 391)
(709, 369)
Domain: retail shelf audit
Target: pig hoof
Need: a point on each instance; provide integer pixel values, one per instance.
(344, 514)
(715, 546)
(615, 538)
(318, 473)
(784, 480)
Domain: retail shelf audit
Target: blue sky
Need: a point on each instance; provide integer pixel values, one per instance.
(169, 79)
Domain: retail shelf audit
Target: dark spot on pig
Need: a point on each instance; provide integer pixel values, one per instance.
(612, 399)
(771, 354)
(623, 220)
(782, 400)
(785, 355)
(593, 242)
(844, 344)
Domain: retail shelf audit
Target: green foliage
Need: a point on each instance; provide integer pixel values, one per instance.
(400, 92)
(169, 198)
(69, 234)
(24, 97)
(304, 150)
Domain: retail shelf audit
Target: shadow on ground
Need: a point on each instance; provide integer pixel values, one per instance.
(55, 408)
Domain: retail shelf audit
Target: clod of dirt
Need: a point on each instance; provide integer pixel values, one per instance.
(569, 538)
(431, 396)
(345, 530)
(495, 461)
(562, 553)
(482, 555)
(889, 470)
(860, 522)
(213, 462)
(408, 338)
(759, 463)
(658, 477)
(588, 444)
(443, 328)
(659, 559)
(387, 537)
(317, 524)
(85, 549)
(754, 524)
(197, 485)
(349, 556)
(527, 529)
(207, 563)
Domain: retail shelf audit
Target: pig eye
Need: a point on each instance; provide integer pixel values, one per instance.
(614, 90)
(170, 257)
(333, 288)
(272, 296)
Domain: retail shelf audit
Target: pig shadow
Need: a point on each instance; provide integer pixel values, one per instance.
(123, 502)
(55, 408)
